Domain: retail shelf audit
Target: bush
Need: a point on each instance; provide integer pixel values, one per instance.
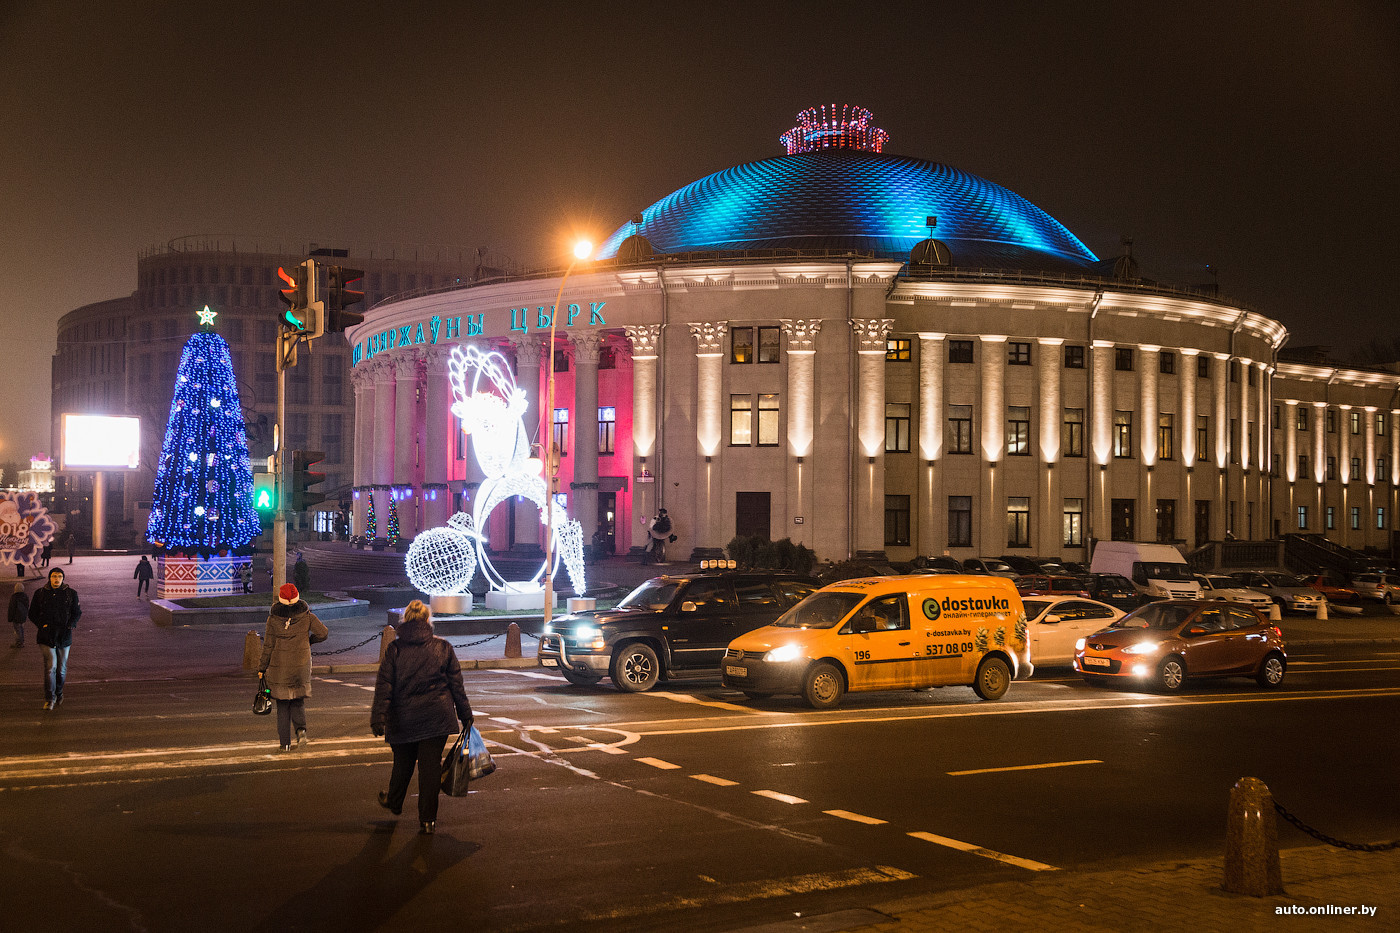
(756, 553)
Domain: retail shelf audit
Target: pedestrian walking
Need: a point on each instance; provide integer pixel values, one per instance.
(245, 573)
(292, 628)
(55, 611)
(46, 553)
(660, 535)
(19, 613)
(144, 572)
(419, 700)
(301, 573)
(72, 546)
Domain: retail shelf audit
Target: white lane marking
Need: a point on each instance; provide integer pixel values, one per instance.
(519, 673)
(780, 797)
(609, 749)
(542, 730)
(717, 704)
(1051, 764)
(509, 722)
(971, 849)
(658, 763)
(717, 781)
(855, 817)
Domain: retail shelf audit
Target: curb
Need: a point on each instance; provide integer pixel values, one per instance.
(468, 664)
(165, 612)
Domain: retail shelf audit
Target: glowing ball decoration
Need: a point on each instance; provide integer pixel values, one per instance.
(442, 561)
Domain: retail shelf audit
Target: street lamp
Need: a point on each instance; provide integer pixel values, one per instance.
(582, 250)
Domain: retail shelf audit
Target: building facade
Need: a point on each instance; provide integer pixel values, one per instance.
(876, 355)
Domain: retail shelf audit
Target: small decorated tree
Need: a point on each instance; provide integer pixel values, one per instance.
(203, 500)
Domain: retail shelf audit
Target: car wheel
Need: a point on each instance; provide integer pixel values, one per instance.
(823, 686)
(1271, 671)
(993, 679)
(635, 668)
(1172, 674)
(578, 679)
(1386, 599)
(757, 695)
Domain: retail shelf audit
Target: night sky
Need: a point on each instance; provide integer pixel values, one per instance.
(1256, 138)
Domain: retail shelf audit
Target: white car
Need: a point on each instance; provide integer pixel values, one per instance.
(1056, 622)
(1219, 586)
(1382, 586)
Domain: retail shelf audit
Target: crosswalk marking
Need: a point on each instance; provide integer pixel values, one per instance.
(658, 763)
(780, 797)
(711, 779)
(985, 853)
(855, 817)
(1051, 764)
(687, 698)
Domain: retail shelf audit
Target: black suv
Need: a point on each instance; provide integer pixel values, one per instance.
(671, 623)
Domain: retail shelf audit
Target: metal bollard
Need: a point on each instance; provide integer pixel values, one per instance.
(1251, 841)
(512, 641)
(386, 638)
(1322, 611)
(252, 651)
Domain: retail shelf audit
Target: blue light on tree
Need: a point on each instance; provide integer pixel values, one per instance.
(204, 481)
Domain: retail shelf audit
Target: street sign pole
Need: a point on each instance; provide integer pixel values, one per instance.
(279, 522)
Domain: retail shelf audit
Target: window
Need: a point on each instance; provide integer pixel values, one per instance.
(1074, 523)
(1253, 374)
(770, 344)
(607, 429)
(1202, 367)
(1302, 465)
(1302, 419)
(1331, 421)
(1355, 468)
(741, 344)
(1380, 424)
(607, 357)
(1166, 436)
(1018, 521)
(1356, 518)
(1122, 434)
(561, 431)
(1278, 415)
(1380, 469)
(1302, 518)
(1074, 357)
(959, 429)
(1166, 363)
(1330, 517)
(561, 361)
(1355, 422)
(1278, 461)
(896, 521)
(1331, 467)
(1234, 370)
(1072, 432)
(1380, 516)
(960, 521)
(1123, 359)
(332, 438)
(332, 378)
(768, 420)
(1018, 431)
(1230, 442)
(1018, 353)
(897, 427)
(898, 349)
(960, 351)
(740, 420)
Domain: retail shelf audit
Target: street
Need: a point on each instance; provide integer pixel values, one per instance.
(162, 805)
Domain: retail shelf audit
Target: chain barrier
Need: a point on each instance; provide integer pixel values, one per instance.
(470, 644)
(1331, 840)
(349, 648)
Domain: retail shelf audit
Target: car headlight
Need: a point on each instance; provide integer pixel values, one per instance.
(1142, 647)
(1079, 645)
(784, 653)
(548, 628)
(583, 632)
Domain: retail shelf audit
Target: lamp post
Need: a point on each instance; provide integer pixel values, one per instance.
(582, 250)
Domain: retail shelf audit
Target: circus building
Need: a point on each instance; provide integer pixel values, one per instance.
(874, 354)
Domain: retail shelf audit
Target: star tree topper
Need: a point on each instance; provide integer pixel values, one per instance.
(206, 317)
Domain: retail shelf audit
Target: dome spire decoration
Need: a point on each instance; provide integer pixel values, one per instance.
(830, 126)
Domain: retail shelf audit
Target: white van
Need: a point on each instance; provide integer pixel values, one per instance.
(1158, 571)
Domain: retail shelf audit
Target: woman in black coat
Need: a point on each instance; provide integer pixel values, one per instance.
(418, 701)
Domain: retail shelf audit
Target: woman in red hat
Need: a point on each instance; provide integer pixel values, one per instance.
(292, 628)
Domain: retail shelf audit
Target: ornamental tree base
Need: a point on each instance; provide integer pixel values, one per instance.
(180, 577)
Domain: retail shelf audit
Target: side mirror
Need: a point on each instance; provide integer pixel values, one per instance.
(1195, 631)
(1050, 620)
(688, 606)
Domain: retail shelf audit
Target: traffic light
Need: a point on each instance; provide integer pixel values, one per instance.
(302, 477)
(265, 497)
(341, 297)
(304, 314)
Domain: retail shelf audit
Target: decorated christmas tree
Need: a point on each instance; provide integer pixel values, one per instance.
(203, 500)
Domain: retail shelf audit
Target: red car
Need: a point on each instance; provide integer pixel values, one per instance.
(1052, 585)
(1165, 642)
(1334, 591)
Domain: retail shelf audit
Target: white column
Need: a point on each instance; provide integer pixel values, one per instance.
(871, 344)
(801, 402)
(1149, 370)
(437, 505)
(362, 378)
(933, 536)
(1050, 520)
(645, 341)
(1290, 443)
(1100, 435)
(1220, 373)
(1188, 380)
(406, 439)
(709, 430)
(382, 472)
(584, 499)
(1319, 464)
(992, 430)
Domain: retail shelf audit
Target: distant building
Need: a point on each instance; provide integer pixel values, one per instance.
(119, 356)
(39, 476)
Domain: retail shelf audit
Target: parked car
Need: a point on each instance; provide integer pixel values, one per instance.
(1290, 593)
(1382, 586)
(988, 565)
(1055, 624)
(941, 562)
(1219, 586)
(1164, 643)
(1332, 588)
(1052, 585)
(1021, 565)
(667, 624)
(1075, 567)
(1115, 589)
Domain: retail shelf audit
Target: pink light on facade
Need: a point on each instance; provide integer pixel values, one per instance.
(833, 126)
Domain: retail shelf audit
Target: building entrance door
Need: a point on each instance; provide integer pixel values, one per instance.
(1122, 519)
(607, 522)
(1202, 522)
(753, 514)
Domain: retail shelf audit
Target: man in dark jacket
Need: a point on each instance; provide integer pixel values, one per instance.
(55, 611)
(144, 572)
(19, 612)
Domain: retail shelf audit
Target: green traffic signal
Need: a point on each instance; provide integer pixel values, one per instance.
(265, 492)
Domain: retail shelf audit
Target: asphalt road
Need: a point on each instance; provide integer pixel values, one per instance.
(161, 805)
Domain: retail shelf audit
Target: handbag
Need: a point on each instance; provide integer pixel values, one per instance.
(464, 762)
(262, 700)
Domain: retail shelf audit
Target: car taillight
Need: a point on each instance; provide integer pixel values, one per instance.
(1278, 633)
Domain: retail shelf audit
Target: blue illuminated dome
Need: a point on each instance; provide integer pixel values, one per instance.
(837, 197)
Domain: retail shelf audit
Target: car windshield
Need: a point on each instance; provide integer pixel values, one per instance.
(1115, 584)
(653, 595)
(1280, 579)
(1167, 570)
(1221, 583)
(1160, 617)
(820, 610)
(1035, 607)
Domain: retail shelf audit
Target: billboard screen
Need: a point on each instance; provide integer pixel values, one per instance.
(100, 442)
